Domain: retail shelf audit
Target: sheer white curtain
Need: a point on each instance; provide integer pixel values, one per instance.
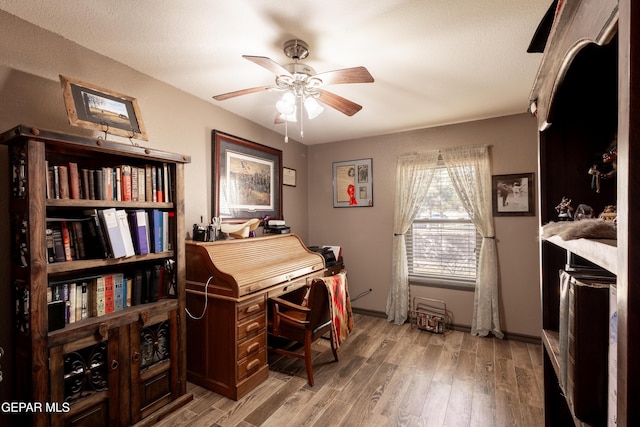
(413, 176)
(470, 172)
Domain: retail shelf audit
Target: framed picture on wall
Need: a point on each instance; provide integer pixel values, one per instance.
(513, 195)
(246, 178)
(289, 177)
(353, 184)
(93, 107)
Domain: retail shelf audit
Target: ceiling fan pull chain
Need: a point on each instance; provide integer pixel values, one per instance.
(286, 131)
(301, 117)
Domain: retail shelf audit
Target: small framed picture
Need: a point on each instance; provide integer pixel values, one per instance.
(353, 184)
(289, 177)
(513, 195)
(100, 109)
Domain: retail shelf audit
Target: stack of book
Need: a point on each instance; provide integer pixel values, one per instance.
(76, 300)
(276, 226)
(109, 233)
(150, 183)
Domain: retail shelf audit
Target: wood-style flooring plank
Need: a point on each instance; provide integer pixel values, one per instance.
(387, 375)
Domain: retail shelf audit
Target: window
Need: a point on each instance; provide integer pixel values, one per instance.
(443, 244)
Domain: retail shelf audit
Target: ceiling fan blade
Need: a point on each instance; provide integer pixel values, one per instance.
(346, 75)
(278, 119)
(233, 94)
(269, 64)
(339, 103)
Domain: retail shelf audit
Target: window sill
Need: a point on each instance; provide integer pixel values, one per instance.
(442, 283)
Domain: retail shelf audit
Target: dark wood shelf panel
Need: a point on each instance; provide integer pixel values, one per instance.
(98, 204)
(89, 326)
(84, 264)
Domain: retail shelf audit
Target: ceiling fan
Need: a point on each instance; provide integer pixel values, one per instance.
(300, 83)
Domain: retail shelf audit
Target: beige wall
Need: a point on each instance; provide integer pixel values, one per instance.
(32, 59)
(365, 233)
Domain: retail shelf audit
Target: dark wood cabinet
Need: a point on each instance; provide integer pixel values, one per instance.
(116, 369)
(586, 97)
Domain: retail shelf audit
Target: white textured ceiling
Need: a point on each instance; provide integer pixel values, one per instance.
(434, 62)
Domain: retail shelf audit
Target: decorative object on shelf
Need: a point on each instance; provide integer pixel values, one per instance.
(610, 213)
(353, 183)
(289, 177)
(564, 209)
(585, 229)
(241, 231)
(246, 178)
(584, 212)
(513, 195)
(609, 161)
(93, 107)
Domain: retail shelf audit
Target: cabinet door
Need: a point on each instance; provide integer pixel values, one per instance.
(84, 382)
(154, 358)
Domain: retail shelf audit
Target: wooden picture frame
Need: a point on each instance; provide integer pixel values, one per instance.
(246, 179)
(513, 195)
(353, 184)
(289, 177)
(100, 109)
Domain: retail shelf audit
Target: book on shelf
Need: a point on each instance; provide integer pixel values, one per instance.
(134, 182)
(148, 184)
(71, 302)
(165, 183)
(136, 287)
(49, 183)
(110, 224)
(99, 184)
(126, 292)
(118, 289)
(117, 178)
(51, 254)
(109, 295)
(139, 230)
(63, 182)
(156, 226)
(66, 241)
(154, 184)
(142, 186)
(125, 231)
(99, 305)
(100, 247)
(74, 181)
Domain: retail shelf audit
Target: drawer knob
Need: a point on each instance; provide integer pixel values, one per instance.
(253, 326)
(114, 365)
(253, 348)
(253, 364)
(136, 357)
(253, 308)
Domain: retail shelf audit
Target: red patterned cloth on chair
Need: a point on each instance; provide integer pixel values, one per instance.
(340, 306)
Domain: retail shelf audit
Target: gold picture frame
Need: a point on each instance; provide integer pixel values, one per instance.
(96, 108)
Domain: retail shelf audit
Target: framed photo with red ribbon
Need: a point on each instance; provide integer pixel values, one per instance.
(353, 184)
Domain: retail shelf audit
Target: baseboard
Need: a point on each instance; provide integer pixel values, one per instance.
(462, 328)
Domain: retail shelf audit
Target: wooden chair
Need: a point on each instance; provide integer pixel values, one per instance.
(297, 321)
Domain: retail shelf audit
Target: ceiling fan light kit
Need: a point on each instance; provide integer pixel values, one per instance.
(303, 86)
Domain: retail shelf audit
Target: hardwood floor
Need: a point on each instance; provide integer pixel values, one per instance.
(388, 375)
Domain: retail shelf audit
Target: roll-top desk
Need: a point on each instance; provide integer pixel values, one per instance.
(227, 348)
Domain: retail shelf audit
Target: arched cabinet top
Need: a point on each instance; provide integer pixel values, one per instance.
(577, 24)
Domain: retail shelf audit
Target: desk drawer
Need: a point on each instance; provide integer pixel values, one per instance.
(252, 326)
(252, 364)
(251, 308)
(252, 346)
